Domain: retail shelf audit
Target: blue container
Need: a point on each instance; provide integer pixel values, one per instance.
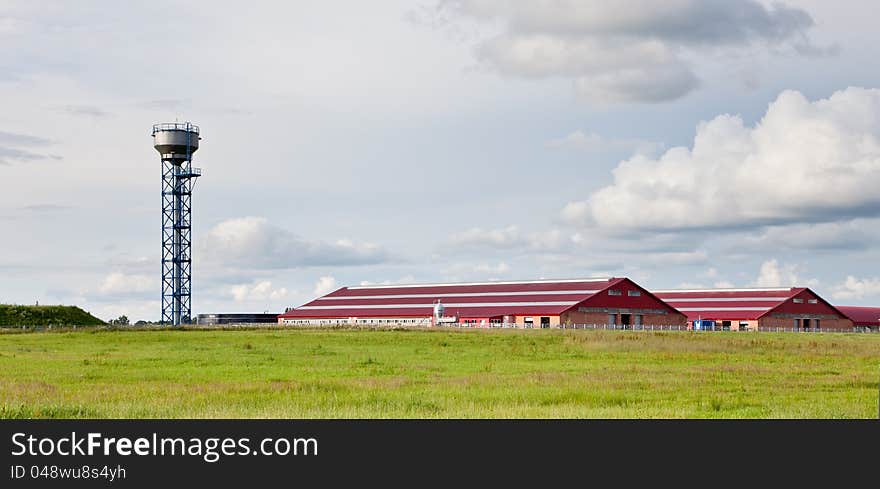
(704, 325)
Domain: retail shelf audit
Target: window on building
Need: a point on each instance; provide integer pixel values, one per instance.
(798, 301)
(633, 293)
(615, 292)
(813, 301)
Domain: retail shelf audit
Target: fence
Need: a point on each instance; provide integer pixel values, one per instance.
(650, 327)
(397, 326)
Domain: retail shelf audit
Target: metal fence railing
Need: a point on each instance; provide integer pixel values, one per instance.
(391, 325)
(653, 327)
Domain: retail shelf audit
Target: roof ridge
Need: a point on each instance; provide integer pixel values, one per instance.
(498, 282)
(728, 289)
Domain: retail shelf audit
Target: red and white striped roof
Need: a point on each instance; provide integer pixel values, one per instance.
(470, 299)
(726, 304)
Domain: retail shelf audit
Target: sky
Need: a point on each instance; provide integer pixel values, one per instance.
(681, 143)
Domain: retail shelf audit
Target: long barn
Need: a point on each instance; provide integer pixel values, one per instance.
(527, 304)
(797, 308)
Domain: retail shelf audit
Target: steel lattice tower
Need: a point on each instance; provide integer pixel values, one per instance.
(177, 142)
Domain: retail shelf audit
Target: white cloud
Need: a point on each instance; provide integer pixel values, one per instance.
(803, 162)
(119, 284)
(845, 235)
(325, 285)
(786, 275)
(253, 242)
(408, 279)
(497, 238)
(259, 291)
(577, 213)
(711, 272)
(856, 288)
(595, 143)
(677, 258)
(500, 268)
(510, 238)
(626, 51)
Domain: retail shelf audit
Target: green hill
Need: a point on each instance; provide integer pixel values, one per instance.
(17, 315)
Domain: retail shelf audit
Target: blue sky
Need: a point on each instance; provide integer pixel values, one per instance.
(679, 143)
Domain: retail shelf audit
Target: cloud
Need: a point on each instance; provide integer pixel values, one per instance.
(119, 283)
(258, 291)
(594, 143)
(408, 279)
(774, 275)
(856, 288)
(857, 234)
(11, 144)
(803, 162)
(325, 285)
(508, 238)
(45, 208)
(627, 51)
(119, 286)
(251, 242)
(83, 110)
(500, 268)
(22, 139)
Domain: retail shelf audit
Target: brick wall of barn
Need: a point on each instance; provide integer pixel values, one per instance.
(648, 318)
(786, 321)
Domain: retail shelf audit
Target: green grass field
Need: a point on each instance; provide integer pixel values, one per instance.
(420, 374)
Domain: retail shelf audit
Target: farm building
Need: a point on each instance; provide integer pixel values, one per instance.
(528, 304)
(236, 318)
(758, 308)
(863, 317)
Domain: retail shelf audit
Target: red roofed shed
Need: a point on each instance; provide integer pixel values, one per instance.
(863, 317)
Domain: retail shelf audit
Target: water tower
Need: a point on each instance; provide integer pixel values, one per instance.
(176, 143)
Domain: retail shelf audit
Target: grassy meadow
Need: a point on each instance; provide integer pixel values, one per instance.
(437, 373)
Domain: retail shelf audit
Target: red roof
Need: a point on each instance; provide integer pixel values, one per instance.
(486, 299)
(744, 304)
(862, 316)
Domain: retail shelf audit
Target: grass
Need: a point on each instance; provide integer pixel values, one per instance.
(423, 373)
(20, 315)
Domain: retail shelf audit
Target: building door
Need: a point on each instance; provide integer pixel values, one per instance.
(545, 322)
(528, 323)
(806, 324)
(725, 325)
(625, 320)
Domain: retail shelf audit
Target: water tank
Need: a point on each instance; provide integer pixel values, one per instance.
(176, 138)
